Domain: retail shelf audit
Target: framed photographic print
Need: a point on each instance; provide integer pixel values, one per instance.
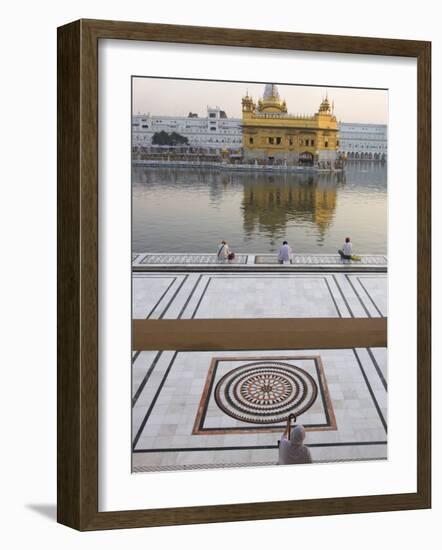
(243, 275)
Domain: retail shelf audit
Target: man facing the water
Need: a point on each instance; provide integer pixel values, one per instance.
(223, 251)
(346, 251)
(285, 253)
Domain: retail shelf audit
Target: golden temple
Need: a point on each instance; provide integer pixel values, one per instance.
(273, 136)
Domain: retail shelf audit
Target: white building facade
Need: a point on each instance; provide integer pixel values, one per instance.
(215, 131)
(359, 141)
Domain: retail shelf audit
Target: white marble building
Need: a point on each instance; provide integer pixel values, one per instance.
(215, 131)
(360, 141)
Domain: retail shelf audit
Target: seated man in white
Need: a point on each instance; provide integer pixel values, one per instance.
(346, 251)
(285, 253)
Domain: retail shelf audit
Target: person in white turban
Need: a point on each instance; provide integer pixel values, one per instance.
(292, 450)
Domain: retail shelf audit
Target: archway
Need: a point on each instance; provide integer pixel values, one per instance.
(306, 159)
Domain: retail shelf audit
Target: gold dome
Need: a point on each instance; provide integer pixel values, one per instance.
(271, 102)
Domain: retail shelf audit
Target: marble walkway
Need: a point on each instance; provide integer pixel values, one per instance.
(205, 409)
(140, 260)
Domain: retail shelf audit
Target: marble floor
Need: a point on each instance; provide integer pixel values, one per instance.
(147, 259)
(205, 409)
(236, 295)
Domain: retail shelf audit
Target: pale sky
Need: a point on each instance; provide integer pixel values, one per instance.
(176, 97)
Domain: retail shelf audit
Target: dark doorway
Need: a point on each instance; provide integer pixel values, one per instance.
(306, 159)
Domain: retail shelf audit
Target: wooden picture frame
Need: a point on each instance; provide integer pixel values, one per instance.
(78, 283)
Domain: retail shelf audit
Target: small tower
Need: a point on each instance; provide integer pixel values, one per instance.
(325, 106)
(248, 106)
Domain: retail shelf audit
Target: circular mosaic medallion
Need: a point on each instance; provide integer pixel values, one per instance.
(265, 392)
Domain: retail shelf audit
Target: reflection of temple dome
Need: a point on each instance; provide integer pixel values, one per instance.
(324, 208)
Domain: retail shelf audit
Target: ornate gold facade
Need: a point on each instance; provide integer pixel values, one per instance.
(272, 135)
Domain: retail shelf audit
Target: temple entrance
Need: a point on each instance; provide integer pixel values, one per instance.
(306, 159)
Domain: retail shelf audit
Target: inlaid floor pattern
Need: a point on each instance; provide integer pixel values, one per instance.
(218, 409)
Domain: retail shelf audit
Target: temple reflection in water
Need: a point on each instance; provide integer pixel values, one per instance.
(177, 210)
(274, 203)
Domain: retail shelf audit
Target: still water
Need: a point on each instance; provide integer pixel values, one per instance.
(191, 210)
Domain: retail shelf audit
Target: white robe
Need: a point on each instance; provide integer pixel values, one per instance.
(223, 251)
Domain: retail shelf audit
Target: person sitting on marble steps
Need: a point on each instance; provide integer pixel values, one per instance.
(345, 252)
(285, 253)
(291, 446)
(223, 251)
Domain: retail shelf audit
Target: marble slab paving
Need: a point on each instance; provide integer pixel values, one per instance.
(347, 419)
(163, 259)
(179, 422)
